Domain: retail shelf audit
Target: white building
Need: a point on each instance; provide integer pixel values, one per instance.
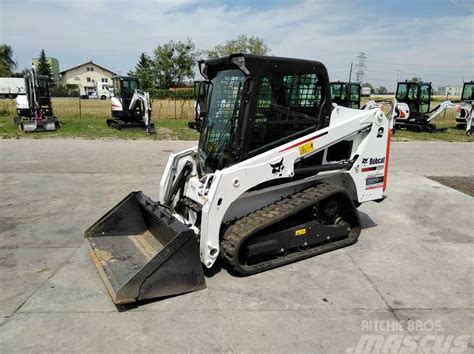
(450, 91)
(87, 76)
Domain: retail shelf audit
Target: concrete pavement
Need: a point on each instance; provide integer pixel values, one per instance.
(411, 268)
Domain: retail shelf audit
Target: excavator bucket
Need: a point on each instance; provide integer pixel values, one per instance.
(142, 251)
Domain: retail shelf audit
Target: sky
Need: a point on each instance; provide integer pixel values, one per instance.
(431, 39)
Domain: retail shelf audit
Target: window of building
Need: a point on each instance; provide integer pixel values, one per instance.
(77, 78)
(104, 79)
(90, 68)
(89, 79)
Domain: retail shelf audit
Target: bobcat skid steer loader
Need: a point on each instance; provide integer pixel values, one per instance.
(275, 178)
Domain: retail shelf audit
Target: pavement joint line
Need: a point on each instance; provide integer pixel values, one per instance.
(74, 173)
(389, 307)
(39, 287)
(36, 247)
(146, 310)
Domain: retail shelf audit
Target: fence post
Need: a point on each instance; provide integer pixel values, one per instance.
(175, 108)
(80, 111)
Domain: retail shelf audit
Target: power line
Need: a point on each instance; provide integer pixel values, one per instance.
(361, 67)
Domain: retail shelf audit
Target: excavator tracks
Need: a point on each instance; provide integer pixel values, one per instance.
(345, 228)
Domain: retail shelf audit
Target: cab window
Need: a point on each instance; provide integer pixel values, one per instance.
(287, 105)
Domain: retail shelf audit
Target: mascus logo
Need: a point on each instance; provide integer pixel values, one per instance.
(376, 160)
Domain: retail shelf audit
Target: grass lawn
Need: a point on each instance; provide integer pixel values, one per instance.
(445, 121)
(171, 122)
(95, 128)
(94, 113)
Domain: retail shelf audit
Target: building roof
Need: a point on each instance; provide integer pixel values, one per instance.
(88, 62)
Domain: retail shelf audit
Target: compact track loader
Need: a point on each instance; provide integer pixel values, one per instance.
(275, 178)
(35, 112)
(411, 109)
(131, 107)
(346, 94)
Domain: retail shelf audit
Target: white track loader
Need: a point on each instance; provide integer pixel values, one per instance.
(131, 107)
(275, 178)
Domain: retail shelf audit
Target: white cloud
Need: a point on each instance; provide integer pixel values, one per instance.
(113, 33)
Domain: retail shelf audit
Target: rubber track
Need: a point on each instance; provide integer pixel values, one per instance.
(243, 228)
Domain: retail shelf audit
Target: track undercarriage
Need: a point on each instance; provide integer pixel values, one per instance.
(119, 124)
(318, 219)
(420, 125)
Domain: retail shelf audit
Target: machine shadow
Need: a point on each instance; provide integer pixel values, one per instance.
(366, 221)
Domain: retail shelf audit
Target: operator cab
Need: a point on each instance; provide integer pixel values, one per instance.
(468, 91)
(346, 94)
(417, 95)
(124, 88)
(37, 92)
(293, 99)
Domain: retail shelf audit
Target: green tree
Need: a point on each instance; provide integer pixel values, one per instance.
(44, 68)
(19, 73)
(415, 79)
(368, 84)
(242, 44)
(173, 63)
(144, 62)
(68, 90)
(7, 64)
(144, 72)
(382, 90)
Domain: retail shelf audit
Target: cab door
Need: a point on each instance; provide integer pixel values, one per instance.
(355, 95)
(425, 97)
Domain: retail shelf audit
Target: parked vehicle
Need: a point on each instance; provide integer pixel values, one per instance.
(131, 107)
(275, 178)
(366, 91)
(10, 87)
(34, 108)
(103, 92)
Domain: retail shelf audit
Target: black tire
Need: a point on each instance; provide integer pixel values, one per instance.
(103, 97)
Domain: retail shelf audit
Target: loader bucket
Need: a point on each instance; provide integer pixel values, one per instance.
(142, 251)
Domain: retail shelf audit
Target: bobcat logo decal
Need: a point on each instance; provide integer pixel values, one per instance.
(277, 167)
